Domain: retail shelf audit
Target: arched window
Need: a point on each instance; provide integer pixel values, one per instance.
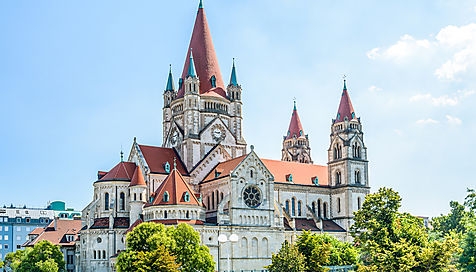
(299, 208)
(166, 196)
(314, 207)
(358, 203)
(338, 178)
(251, 173)
(167, 167)
(135, 196)
(335, 153)
(244, 247)
(221, 196)
(94, 254)
(122, 201)
(140, 196)
(213, 80)
(287, 206)
(165, 214)
(213, 201)
(186, 197)
(339, 152)
(104, 254)
(338, 205)
(324, 207)
(359, 154)
(293, 206)
(319, 213)
(208, 203)
(106, 201)
(357, 176)
(187, 214)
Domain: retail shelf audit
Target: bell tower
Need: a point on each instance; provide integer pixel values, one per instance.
(296, 143)
(234, 94)
(169, 95)
(347, 163)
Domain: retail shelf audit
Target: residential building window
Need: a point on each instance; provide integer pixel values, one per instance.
(5, 237)
(5, 246)
(18, 228)
(27, 220)
(122, 201)
(106, 201)
(18, 238)
(1, 237)
(18, 246)
(1, 246)
(6, 228)
(1, 228)
(18, 220)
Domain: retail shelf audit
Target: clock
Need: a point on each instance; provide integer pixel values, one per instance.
(218, 134)
(252, 196)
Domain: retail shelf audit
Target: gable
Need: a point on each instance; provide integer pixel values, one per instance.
(217, 155)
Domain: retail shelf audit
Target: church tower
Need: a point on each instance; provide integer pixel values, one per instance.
(347, 163)
(203, 113)
(296, 143)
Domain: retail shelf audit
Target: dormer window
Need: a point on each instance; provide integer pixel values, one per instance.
(338, 116)
(167, 167)
(213, 80)
(300, 132)
(315, 180)
(186, 197)
(166, 196)
(289, 177)
(217, 173)
(353, 115)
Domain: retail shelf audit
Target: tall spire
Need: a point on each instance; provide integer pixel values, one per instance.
(233, 80)
(295, 127)
(191, 66)
(345, 106)
(170, 81)
(200, 5)
(204, 57)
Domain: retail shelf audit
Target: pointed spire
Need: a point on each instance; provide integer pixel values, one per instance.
(170, 81)
(204, 58)
(233, 80)
(200, 5)
(345, 107)
(191, 66)
(122, 155)
(295, 127)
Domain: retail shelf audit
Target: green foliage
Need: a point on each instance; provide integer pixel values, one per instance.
(323, 249)
(393, 241)
(467, 259)
(44, 255)
(455, 221)
(470, 200)
(13, 259)
(288, 259)
(172, 248)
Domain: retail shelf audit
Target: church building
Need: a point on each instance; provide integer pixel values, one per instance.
(204, 174)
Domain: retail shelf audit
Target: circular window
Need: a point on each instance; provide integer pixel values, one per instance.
(252, 196)
(99, 240)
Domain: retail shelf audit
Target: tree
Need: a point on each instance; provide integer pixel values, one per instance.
(288, 259)
(470, 200)
(467, 259)
(13, 259)
(393, 241)
(44, 255)
(170, 249)
(454, 221)
(323, 249)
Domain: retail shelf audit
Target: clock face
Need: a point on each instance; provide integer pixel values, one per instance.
(174, 138)
(252, 196)
(217, 133)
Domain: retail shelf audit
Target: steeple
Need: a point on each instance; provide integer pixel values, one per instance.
(295, 127)
(204, 58)
(233, 80)
(170, 81)
(191, 66)
(345, 107)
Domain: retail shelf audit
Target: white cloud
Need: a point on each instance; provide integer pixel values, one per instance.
(453, 50)
(444, 100)
(426, 121)
(374, 89)
(453, 120)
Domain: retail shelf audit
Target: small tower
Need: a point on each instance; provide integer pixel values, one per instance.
(347, 162)
(137, 194)
(234, 94)
(296, 143)
(169, 95)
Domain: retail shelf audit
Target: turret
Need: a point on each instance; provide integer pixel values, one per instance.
(296, 144)
(137, 194)
(234, 95)
(169, 95)
(191, 101)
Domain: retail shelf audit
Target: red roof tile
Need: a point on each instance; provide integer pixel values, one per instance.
(295, 127)
(204, 57)
(345, 107)
(302, 173)
(223, 169)
(176, 187)
(57, 236)
(156, 157)
(122, 171)
(137, 178)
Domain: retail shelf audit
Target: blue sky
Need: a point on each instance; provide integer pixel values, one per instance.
(80, 79)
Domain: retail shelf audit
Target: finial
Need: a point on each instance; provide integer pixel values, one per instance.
(233, 80)
(200, 5)
(122, 155)
(252, 147)
(294, 103)
(170, 68)
(175, 163)
(135, 140)
(191, 67)
(233, 62)
(345, 87)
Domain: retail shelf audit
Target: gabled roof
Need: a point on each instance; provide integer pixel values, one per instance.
(156, 158)
(295, 127)
(176, 188)
(302, 173)
(122, 171)
(57, 236)
(204, 57)
(345, 107)
(137, 178)
(224, 169)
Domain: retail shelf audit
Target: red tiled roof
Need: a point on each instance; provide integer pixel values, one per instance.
(57, 236)
(302, 173)
(224, 168)
(156, 157)
(345, 107)
(204, 57)
(137, 178)
(122, 171)
(176, 187)
(103, 223)
(295, 127)
(135, 224)
(305, 224)
(37, 231)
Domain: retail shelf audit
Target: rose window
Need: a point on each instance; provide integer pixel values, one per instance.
(252, 196)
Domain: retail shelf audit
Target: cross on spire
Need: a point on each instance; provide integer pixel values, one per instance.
(175, 163)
